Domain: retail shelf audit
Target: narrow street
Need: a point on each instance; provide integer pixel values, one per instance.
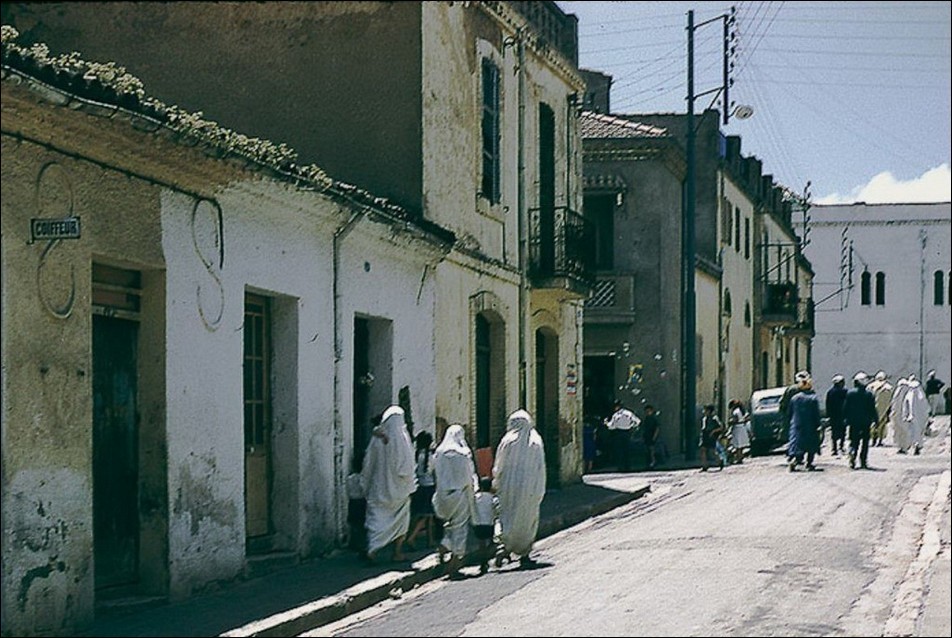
(753, 550)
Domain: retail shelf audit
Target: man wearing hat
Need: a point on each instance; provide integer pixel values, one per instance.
(835, 398)
(881, 389)
(859, 411)
(804, 425)
(788, 394)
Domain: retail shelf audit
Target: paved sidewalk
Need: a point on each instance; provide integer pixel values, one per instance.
(320, 591)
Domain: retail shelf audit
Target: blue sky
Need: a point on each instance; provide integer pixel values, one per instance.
(853, 97)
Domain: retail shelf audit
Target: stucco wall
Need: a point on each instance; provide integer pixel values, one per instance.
(737, 278)
(47, 373)
(907, 242)
(707, 291)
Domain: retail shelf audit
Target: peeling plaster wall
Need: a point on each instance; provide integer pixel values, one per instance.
(276, 243)
(456, 38)
(47, 373)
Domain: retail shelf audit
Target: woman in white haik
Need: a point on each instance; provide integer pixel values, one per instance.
(388, 477)
(519, 482)
(453, 501)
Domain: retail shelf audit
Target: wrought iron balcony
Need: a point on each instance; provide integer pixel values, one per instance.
(561, 254)
(780, 304)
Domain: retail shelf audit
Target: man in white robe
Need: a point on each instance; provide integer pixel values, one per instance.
(901, 437)
(519, 482)
(388, 477)
(915, 413)
(882, 392)
(454, 499)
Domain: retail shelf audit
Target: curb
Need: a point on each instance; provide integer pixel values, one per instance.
(330, 609)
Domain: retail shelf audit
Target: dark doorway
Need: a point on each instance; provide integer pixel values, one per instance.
(547, 401)
(483, 382)
(115, 452)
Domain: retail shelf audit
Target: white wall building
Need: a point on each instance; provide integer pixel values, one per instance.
(881, 289)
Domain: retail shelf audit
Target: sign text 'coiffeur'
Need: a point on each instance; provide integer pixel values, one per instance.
(65, 228)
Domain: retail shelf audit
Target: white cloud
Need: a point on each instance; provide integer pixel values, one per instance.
(935, 185)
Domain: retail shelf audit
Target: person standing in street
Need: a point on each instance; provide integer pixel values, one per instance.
(388, 477)
(621, 427)
(934, 387)
(914, 413)
(519, 484)
(453, 500)
(881, 390)
(650, 429)
(711, 430)
(835, 399)
(859, 410)
(804, 426)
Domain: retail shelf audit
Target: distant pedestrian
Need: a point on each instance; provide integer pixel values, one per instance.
(804, 436)
(453, 500)
(739, 435)
(621, 427)
(589, 444)
(882, 391)
(934, 387)
(711, 430)
(421, 503)
(788, 394)
(914, 414)
(388, 479)
(484, 519)
(650, 430)
(835, 399)
(519, 483)
(859, 410)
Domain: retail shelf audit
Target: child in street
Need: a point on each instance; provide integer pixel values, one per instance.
(484, 520)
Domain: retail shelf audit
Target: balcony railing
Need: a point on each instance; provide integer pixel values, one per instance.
(780, 304)
(560, 249)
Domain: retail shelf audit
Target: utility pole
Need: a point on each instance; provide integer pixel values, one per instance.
(688, 242)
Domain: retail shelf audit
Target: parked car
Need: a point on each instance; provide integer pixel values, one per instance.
(768, 427)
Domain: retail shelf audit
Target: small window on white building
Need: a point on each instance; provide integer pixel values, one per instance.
(938, 288)
(865, 288)
(880, 288)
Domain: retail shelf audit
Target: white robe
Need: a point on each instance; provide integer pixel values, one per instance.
(519, 481)
(388, 477)
(453, 500)
(915, 412)
(901, 435)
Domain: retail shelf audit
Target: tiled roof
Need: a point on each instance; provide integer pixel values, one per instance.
(601, 126)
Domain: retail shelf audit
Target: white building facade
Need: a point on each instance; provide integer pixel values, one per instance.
(881, 289)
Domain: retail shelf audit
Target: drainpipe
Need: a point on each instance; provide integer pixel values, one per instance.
(922, 301)
(339, 471)
(523, 219)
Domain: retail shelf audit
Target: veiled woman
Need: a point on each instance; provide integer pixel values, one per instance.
(388, 477)
(453, 500)
(519, 481)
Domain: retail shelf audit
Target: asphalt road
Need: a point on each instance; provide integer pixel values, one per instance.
(753, 550)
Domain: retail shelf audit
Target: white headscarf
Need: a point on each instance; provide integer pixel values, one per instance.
(519, 479)
(453, 500)
(388, 477)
